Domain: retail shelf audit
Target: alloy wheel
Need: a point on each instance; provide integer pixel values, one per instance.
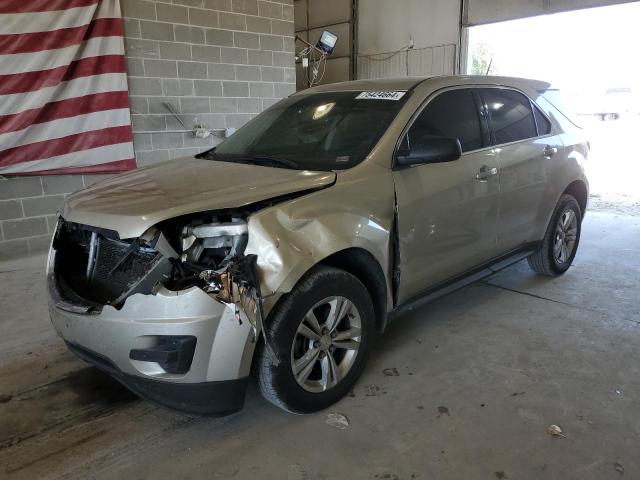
(565, 236)
(326, 344)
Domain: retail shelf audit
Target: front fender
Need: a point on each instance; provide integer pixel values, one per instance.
(290, 238)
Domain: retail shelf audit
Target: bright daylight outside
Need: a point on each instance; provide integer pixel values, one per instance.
(592, 57)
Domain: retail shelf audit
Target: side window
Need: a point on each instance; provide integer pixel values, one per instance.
(452, 114)
(510, 115)
(544, 125)
(555, 104)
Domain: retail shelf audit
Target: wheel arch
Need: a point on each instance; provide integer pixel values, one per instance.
(578, 190)
(363, 265)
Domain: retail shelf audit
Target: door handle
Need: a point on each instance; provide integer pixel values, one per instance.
(486, 172)
(549, 151)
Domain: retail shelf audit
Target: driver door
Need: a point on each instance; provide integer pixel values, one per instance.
(447, 212)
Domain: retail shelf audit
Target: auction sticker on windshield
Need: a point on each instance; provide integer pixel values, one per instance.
(386, 95)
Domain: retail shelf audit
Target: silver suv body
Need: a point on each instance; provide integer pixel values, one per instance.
(287, 248)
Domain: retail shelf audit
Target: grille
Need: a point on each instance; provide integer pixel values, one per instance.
(119, 267)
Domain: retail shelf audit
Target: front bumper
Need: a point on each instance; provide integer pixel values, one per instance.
(207, 398)
(215, 381)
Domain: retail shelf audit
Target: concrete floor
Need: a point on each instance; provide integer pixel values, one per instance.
(461, 389)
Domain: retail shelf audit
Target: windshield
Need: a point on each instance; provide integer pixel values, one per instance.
(321, 131)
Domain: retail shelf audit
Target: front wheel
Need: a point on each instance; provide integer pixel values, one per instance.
(560, 244)
(321, 333)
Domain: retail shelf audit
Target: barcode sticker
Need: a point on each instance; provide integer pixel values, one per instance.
(383, 95)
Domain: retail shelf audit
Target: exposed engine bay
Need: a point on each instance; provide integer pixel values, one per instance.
(211, 256)
(94, 267)
(205, 246)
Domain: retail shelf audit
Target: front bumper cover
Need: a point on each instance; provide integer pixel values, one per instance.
(215, 381)
(207, 398)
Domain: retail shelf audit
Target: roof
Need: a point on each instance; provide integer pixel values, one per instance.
(363, 85)
(407, 83)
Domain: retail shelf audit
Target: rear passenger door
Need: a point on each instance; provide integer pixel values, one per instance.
(522, 140)
(447, 212)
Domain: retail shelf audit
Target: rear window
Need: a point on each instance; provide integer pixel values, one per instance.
(510, 115)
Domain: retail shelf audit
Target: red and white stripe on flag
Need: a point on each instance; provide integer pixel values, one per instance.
(64, 104)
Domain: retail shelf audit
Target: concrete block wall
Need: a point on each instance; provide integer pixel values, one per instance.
(28, 207)
(218, 63)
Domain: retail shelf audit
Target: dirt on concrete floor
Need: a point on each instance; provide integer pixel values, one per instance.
(615, 203)
(462, 388)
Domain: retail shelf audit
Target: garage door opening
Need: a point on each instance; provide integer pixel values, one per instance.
(593, 57)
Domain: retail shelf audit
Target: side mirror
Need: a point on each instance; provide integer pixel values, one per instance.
(430, 149)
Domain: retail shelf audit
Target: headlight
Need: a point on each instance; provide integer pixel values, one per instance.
(213, 259)
(214, 244)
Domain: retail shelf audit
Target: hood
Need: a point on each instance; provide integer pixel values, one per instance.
(133, 202)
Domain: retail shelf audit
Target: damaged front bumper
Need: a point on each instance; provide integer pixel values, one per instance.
(182, 349)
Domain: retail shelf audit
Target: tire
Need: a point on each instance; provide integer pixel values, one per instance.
(545, 261)
(279, 384)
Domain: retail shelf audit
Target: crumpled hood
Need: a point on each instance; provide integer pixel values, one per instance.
(133, 202)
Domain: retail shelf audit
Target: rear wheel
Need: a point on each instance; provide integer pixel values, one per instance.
(560, 244)
(321, 332)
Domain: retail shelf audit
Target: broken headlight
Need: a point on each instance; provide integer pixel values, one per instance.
(212, 258)
(210, 249)
(214, 244)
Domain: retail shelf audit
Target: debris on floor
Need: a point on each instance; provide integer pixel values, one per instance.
(297, 472)
(391, 372)
(618, 468)
(337, 420)
(555, 431)
(374, 391)
(4, 398)
(443, 411)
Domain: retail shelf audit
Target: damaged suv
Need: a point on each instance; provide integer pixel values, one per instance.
(285, 250)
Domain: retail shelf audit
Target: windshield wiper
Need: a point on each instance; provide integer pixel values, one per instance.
(253, 160)
(262, 159)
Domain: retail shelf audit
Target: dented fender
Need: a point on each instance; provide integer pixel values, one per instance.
(290, 238)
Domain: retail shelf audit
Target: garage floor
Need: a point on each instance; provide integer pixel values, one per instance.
(463, 388)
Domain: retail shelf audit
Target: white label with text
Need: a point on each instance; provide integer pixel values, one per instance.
(385, 95)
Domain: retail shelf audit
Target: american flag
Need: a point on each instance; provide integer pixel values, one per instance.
(64, 105)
